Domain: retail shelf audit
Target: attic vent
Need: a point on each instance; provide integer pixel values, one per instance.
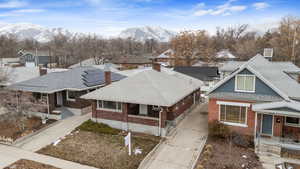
(268, 52)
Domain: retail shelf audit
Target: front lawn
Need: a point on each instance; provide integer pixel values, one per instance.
(100, 146)
(221, 154)
(28, 164)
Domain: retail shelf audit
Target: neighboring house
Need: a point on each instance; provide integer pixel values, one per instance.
(224, 55)
(35, 58)
(9, 62)
(151, 101)
(229, 67)
(209, 75)
(131, 62)
(63, 89)
(260, 99)
(166, 59)
(19, 74)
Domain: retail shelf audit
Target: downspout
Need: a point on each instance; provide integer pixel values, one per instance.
(160, 122)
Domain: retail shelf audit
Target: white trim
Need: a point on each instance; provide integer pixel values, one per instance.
(231, 123)
(69, 99)
(111, 110)
(234, 103)
(234, 124)
(244, 75)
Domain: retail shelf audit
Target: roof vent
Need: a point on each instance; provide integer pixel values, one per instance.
(268, 52)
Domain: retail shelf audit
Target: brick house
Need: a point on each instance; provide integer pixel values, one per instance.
(260, 99)
(63, 89)
(151, 101)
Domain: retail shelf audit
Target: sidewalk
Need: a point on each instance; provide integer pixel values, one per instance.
(181, 148)
(52, 134)
(9, 155)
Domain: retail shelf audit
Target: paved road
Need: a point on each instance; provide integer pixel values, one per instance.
(52, 134)
(181, 148)
(9, 155)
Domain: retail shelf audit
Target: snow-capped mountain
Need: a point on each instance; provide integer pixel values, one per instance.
(147, 32)
(31, 31)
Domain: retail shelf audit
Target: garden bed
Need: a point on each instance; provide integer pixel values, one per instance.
(28, 164)
(100, 146)
(12, 129)
(221, 154)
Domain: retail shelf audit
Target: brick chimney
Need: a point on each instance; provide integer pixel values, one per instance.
(107, 74)
(156, 66)
(42, 71)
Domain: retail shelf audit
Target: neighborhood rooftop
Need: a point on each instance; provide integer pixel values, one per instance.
(203, 73)
(148, 87)
(74, 79)
(272, 73)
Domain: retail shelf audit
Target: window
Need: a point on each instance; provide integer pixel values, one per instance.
(71, 95)
(109, 105)
(245, 83)
(233, 114)
(292, 121)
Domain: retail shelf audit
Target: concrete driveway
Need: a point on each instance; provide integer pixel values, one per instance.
(182, 147)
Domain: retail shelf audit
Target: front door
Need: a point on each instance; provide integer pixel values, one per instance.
(267, 125)
(59, 99)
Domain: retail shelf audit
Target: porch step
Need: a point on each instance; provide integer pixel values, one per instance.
(269, 149)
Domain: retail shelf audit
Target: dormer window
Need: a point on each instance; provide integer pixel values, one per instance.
(245, 83)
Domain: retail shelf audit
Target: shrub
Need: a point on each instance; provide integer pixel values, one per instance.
(98, 128)
(217, 129)
(200, 166)
(240, 140)
(209, 147)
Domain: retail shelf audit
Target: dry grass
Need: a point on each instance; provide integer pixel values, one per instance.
(28, 164)
(101, 150)
(13, 129)
(218, 154)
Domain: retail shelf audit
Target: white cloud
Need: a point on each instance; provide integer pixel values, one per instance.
(93, 2)
(28, 10)
(224, 9)
(13, 4)
(260, 5)
(200, 5)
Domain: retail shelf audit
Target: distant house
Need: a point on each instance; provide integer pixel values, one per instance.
(9, 62)
(19, 74)
(225, 55)
(228, 67)
(131, 62)
(63, 89)
(209, 75)
(145, 102)
(260, 99)
(35, 58)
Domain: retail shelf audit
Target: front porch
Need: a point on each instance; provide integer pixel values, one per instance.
(276, 131)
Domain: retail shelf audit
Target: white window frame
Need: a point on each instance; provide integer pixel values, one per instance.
(70, 99)
(291, 124)
(244, 75)
(106, 109)
(238, 105)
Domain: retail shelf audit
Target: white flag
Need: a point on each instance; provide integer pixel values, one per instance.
(128, 142)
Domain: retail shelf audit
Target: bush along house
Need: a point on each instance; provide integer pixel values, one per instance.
(55, 94)
(149, 102)
(260, 99)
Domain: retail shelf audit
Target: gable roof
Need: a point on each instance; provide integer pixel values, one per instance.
(73, 79)
(226, 54)
(147, 87)
(203, 73)
(271, 74)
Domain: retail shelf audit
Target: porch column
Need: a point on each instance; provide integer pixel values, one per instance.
(125, 110)
(162, 120)
(255, 126)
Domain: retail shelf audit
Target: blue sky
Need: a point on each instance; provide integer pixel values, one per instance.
(109, 17)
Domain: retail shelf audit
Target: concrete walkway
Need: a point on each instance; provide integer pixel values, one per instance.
(52, 134)
(269, 161)
(9, 155)
(182, 147)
